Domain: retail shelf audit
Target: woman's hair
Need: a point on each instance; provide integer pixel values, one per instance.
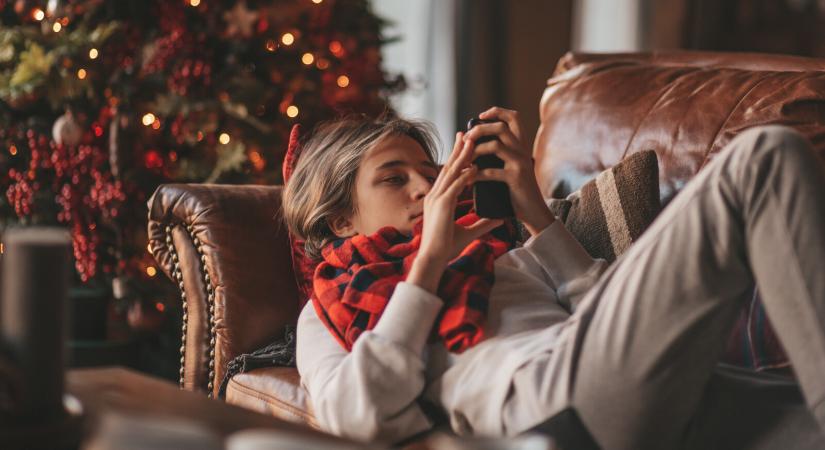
(322, 183)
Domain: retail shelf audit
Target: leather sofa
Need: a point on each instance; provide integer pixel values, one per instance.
(231, 259)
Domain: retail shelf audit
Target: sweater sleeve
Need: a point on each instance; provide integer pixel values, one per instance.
(370, 393)
(566, 263)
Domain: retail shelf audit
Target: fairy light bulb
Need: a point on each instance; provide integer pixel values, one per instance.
(148, 119)
(307, 58)
(57, 27)
(343, 81)
(292, 111)
(81, 74)
(38, 14)
(93, 53)
(336, 48)
(224, 138)
(288, 38)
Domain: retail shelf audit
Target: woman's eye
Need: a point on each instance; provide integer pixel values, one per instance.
(394, 180)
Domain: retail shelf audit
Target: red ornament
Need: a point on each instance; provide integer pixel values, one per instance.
(152, 159)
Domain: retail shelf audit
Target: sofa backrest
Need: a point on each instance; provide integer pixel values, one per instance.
(599, 108)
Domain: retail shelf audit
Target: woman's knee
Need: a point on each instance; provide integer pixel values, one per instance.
(774, 142)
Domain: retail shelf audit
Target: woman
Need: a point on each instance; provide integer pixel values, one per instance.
(629, 347)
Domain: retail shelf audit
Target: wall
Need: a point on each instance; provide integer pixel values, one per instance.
(539, 34)
(425, 54)
(507, 51)
(463, 56)
(608, 25)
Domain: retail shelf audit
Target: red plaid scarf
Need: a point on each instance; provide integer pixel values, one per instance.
(357, 276)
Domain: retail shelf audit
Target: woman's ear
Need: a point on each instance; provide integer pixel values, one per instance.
(341, 226)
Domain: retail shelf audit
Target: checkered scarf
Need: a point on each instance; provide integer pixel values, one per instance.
(357, 276)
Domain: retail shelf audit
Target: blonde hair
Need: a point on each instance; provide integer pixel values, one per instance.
(322, 183)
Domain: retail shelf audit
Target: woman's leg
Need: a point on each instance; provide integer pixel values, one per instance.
(651, 331)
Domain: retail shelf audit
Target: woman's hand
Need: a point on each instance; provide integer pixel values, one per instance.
(518, 171)
(441, 238)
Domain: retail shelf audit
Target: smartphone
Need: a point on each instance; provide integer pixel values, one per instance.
(490, 198)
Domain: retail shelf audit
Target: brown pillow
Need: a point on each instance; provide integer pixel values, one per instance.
(611, 211)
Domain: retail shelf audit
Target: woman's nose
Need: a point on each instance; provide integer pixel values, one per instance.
(421, 186)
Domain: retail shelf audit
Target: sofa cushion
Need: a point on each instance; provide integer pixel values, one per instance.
(610, 212)
(275, 391)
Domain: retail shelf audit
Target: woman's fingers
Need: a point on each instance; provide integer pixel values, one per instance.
(462, 160)
(466, 156)
(465, 235)
(491, 175)
(459, 144)
(498, 129)
(509, 116)
(497, 148)
(466, 176)
(483, 226)
(506, 142)
(445, 169)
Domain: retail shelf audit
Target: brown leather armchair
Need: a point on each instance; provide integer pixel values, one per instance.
(231, 259)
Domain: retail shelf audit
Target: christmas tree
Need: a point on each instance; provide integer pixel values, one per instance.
(101, 101)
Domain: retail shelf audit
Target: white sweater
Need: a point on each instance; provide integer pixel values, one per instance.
(371, 392)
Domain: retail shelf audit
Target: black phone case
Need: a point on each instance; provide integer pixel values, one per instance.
(490, 198)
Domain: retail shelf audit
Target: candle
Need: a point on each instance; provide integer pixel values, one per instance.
(33, 290)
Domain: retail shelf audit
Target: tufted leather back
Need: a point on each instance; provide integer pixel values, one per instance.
(229, 254)
(599, 108)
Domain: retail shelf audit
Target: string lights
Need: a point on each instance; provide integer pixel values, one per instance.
(152, 111)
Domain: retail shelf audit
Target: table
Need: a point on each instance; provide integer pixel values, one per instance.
(115, 391)
(111, 390)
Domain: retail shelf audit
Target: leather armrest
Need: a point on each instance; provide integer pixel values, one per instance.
(228, 251)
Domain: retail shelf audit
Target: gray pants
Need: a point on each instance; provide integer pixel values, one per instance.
(643, 344)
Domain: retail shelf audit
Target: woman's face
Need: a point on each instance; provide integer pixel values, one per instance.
(390, 185)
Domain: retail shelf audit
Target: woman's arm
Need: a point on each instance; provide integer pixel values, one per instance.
(571, 270)
(566, 263)
(370, 393)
